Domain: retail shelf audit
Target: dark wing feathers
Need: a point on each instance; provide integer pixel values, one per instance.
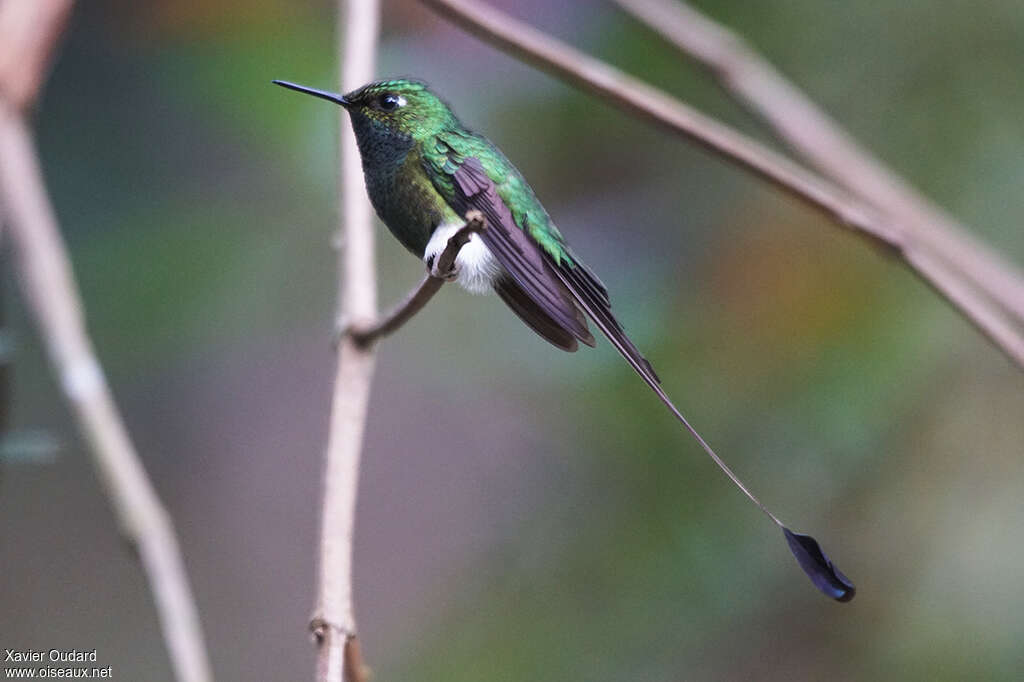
(533, 315)
(546, 291)
(547, 294)
(519, 255)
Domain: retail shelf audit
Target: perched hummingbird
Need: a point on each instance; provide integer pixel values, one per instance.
(425, 171)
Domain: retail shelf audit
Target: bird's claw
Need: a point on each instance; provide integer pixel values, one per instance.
(449, 276)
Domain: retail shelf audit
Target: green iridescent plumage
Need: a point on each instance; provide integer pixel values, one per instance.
(431, 145)
(446, 153)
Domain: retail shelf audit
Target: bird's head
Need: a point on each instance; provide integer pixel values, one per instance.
(399, 107)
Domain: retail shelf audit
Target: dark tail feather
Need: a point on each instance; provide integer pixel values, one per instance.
(613, 330)
(595, 302)
(825, 575)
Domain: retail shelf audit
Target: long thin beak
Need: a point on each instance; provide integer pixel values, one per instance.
(322, 94)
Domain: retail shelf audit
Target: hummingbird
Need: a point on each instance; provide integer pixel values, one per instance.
(425, 171)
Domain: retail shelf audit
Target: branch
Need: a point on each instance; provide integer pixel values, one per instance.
(648, 103)
(421, 295)
(30, 31)
(51, 295)
(334, 623)
(810, 131)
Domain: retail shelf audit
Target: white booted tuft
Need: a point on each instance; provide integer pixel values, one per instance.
(476, 266)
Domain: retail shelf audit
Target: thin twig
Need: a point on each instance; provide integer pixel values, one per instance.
(52, 296)
(334, 624)
(421, 295)
(809, 130)
(648, 103)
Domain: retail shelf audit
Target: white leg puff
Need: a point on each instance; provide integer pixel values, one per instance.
(476, 267)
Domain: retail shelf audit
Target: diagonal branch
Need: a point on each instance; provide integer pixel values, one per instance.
(811, 132)
(653, 105)
(28, 33)
(644, 101)
(334, 624)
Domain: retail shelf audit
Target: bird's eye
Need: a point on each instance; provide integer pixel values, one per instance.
(391, 101)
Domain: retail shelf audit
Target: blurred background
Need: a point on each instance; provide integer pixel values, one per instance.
(526, 514)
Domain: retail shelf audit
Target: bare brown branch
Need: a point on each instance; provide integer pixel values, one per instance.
(648, 103)
(28, 32)
(355, 669)
(334, 622)
(813, 134)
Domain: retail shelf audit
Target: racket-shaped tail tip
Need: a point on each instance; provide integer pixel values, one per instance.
(825, 575)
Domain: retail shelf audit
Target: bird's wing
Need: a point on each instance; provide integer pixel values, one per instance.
(533, 315)
(532, 290)
(534, 253)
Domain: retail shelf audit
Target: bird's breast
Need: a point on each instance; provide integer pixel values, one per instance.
(406, 201)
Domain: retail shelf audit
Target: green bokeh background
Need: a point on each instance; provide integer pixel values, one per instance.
(526, 514)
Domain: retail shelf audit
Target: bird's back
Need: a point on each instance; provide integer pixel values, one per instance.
(448, 152)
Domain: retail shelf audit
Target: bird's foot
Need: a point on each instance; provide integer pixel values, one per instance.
(449, 276)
